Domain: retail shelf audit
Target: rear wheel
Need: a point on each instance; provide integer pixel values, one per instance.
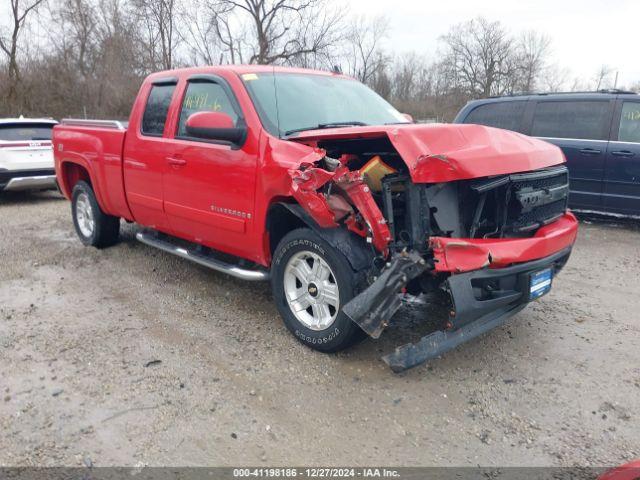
(93, 226)
(311, 281)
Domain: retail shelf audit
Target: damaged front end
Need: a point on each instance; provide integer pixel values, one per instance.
(479, 240)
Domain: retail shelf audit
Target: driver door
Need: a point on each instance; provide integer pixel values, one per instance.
(209, 187)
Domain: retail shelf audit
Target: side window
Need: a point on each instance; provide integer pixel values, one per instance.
(580, 119)
(204, 96)
(155, 113)
(507, 115)
(630, 123)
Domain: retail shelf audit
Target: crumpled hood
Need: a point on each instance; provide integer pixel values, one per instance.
(445, 152)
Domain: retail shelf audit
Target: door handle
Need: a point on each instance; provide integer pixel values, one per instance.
(623, 153)
(590, 151)
(178, 162)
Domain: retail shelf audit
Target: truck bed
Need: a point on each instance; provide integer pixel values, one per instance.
(97, 145)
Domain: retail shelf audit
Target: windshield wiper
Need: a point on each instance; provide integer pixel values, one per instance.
(320, 126)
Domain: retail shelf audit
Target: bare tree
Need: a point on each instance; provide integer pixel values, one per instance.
(280, 30)
(20, 9)
(100, 50)
(554, 78)
(602, 79)
(479, 57)
(72, 31)
(159, 18)
(207, 33)
(364, 53)
(121, 65)
(405, 81)
(532, 51)
(322, 32)
(381, 81)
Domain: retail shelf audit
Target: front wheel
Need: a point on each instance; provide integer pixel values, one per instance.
(311, 281)
(93, 226)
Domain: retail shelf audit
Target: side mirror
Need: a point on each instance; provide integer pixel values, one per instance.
(214, 126)
(408, 117)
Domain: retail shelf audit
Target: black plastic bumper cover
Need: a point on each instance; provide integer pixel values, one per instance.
(476, 310)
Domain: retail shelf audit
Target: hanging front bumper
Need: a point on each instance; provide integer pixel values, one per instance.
(482, 300)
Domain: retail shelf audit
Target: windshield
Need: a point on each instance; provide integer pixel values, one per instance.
(25, 131)
(290, 102)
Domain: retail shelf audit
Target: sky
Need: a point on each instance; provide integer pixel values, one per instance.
(585, 34)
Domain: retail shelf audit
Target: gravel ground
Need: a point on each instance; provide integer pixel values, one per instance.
(130, 356)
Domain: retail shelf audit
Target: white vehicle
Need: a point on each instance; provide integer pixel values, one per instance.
(26, 155)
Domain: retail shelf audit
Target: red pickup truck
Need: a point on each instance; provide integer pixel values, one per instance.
(313, 181)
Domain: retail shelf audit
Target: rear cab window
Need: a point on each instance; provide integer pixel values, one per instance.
(156, 109)
(25, 132)
(204, 96)
(507, 115)
(629, 130)
(576, 119)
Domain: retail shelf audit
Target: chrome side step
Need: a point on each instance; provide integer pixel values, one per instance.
(202, 259)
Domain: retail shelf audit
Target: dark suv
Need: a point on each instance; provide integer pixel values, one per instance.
(599, 134)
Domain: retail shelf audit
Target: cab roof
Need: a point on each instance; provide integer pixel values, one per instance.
(242, 69)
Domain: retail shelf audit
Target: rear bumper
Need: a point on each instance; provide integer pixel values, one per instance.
(15, 180)
(482, 300)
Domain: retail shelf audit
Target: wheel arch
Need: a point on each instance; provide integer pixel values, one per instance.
(71, 173)
(283, 217)
(75, 169)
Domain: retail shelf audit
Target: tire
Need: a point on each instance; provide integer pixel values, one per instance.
(93, 226)
(311, 324)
